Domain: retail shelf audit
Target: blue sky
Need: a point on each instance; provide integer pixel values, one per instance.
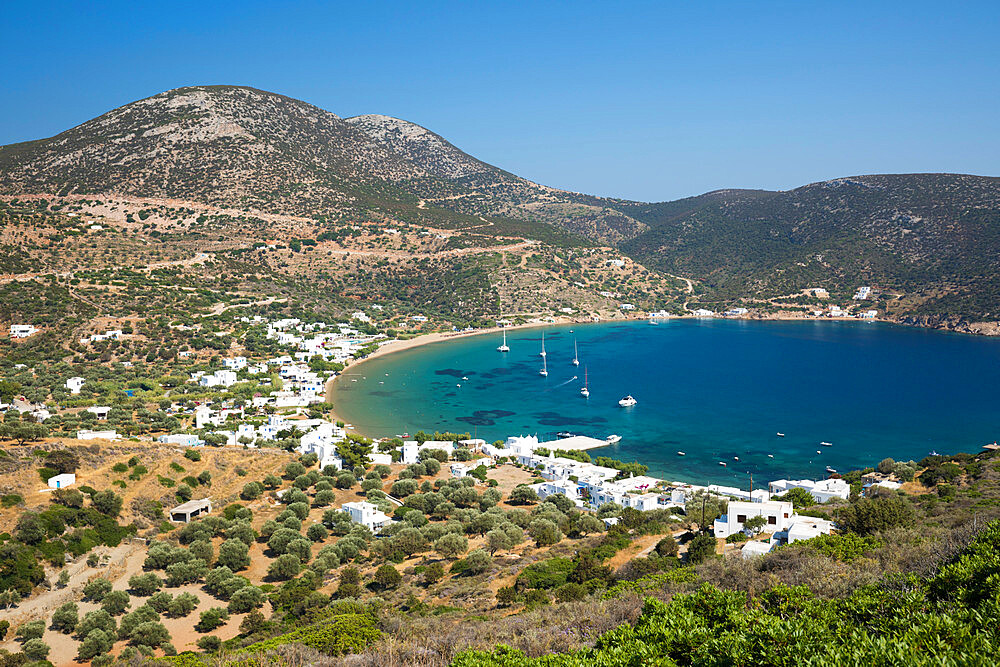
(650, 101)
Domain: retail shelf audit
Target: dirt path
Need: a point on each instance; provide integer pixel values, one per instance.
(455, 252)
(642, 546)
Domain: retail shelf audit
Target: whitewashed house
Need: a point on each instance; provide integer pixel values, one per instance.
(235, 363)
(821, 491)
(62, 481)
(100, 411)
(367, 515)
(86, 434)
(183, 439)
(204, 416)
(778, 516)
(322, 441)
(75, 384)
(22, 330)
(220, 378)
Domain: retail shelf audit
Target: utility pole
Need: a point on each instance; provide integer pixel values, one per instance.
(704, 499)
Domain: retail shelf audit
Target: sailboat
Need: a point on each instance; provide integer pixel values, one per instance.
(545, 369)
(584, 391)
(576, 355)
(542, 353)
(504, 348)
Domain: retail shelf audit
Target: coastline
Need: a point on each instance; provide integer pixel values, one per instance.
(438, 337)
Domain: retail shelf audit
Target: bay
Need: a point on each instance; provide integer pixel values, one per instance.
(718, 390)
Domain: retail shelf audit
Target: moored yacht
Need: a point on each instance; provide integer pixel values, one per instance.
(613, 438)
(503, 346)
(584, 391)
(628, 401)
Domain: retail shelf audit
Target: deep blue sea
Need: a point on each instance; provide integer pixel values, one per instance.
(714, 389)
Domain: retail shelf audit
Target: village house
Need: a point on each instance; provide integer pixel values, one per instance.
(367, 514)
(74, 384)
(86, 434)
(22, 330)
(61, 481)
(821, 491)
(184, 512)
(778, 515)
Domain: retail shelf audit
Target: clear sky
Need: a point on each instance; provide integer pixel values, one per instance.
(648, 101)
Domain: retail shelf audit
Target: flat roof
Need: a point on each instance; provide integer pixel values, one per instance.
(192, 505)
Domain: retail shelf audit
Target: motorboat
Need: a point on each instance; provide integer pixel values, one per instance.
(628, 401)
(826, 444)
(613, 438)
(679, 453)
(564, 434)
(584, 391)
(780, 435)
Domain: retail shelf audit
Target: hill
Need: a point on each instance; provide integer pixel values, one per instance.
(929, 242)
(926, 243)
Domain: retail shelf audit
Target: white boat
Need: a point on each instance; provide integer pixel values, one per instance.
(736, 458)
(545, 369)
(818, 452)
(722, 463)
(458, 385)
(503, 347)
(627, 402)
(681, 454)
(780, 435)
(584, 391)
(653, 322)
(542, 353)
(770, 456)
(827, 444)
(613, 438)
(831, 470)
(576, 355)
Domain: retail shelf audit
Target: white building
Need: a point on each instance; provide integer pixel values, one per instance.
(235, 363)
(99, 411)
(85, 434)
(412, 449)
(220, 378)
(702, 312)
(778, 517)
(863, 293)
(22, 330)
(367, 515)
(204, 416)
(754, 549)
(627, 306)
(62, 481)
(322, 441)
(184, 439)
(74, 384)
(821, 491)
(807, 527)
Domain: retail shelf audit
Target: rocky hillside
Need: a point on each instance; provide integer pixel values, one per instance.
(929, 240)
(935, 237)
(246, 148)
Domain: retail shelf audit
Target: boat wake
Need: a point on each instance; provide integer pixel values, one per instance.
(563, 384)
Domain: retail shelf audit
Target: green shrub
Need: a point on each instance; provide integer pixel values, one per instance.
(346, 633)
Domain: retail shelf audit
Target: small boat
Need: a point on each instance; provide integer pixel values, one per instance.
(545, 369)
(613, 438)
(770, 456)
(584, 391)
(542, 353)
(680, 453)
(627, 402)
(736, 458)
(722, 463)
(831, 470)
(503, 346)
(780, 435)
(564, 434)
(818, 452)
(826, 444)
(653, 322)
(933, 452)
(576, 355)
(459, 386)
(464, 378)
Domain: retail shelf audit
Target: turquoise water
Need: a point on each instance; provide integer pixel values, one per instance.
(715, 389)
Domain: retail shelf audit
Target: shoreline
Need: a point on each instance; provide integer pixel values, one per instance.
(439, 337)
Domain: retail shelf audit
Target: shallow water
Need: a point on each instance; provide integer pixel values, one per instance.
(714, 389)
